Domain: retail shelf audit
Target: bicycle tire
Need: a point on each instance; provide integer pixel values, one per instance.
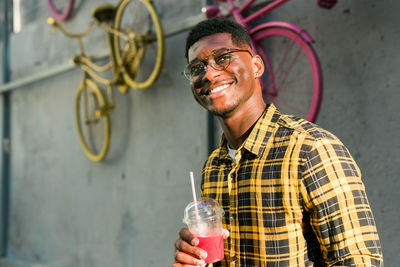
(100, 111)
(292, 82)
(61, 12)
(138, 72)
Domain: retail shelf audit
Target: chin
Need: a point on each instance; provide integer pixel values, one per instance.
(222, 112)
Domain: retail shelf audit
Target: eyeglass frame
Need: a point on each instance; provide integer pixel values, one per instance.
(204, 63)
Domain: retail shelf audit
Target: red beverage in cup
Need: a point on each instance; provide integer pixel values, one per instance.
(214, 245)
(204, 219)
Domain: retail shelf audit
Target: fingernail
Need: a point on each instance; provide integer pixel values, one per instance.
(203, 254)
(195, 241)
(201, 262)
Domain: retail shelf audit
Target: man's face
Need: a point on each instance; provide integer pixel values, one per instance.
(223, 91)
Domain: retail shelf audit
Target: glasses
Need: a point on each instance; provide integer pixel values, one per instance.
(221, 58)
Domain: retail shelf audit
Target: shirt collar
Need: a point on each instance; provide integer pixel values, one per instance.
(259, 136)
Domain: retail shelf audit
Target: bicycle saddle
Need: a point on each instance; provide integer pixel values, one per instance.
(104, 13)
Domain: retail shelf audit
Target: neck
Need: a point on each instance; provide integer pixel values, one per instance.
(238, 125)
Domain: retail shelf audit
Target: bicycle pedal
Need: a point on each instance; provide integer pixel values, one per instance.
(98, 113)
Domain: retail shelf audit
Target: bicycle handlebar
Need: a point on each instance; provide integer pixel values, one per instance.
(56, 24)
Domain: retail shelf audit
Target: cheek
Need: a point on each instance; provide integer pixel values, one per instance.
(243, 73)
(195, 95)
(195, 89)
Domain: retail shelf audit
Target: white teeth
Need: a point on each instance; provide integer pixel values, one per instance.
(219, 88)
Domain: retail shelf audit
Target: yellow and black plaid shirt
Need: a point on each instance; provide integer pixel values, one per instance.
(294, 198)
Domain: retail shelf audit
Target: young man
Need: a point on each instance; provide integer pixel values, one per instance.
(291, 191)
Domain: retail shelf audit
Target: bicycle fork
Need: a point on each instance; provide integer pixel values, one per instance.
(93, 115)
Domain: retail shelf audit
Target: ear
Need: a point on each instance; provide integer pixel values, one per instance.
(258, 66)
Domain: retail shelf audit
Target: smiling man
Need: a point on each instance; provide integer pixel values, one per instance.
(291, 192)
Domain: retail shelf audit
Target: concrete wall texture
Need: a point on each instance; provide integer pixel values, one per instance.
(126, 210)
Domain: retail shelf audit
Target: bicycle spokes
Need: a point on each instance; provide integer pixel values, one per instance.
(92, 117)
(92, 109)
(135, 57)
(134, 51)
(292, 75)
(140, 25)
(285, 72)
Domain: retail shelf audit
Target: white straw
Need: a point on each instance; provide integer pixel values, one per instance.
(194, 195)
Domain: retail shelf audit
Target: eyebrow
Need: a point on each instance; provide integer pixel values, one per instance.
(196, 59)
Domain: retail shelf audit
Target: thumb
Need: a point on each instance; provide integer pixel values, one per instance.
(225, 233)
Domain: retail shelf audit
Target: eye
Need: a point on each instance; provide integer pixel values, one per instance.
(222, 59)
(197, 69)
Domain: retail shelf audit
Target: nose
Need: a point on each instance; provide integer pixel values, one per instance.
(211, 72)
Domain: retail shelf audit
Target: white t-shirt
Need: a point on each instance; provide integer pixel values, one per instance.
(232, 153)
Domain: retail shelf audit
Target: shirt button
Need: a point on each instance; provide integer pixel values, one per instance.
(234, 259)
(233, 217)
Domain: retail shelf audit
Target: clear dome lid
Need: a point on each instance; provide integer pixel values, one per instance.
(208, 210)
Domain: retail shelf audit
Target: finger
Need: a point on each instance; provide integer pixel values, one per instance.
(177, 244)
(183, 246)
(177, 264)
(184, 265)
(188, 260)
(186, 235)
(225, 233)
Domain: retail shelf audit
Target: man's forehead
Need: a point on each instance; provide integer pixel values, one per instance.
(210, 43)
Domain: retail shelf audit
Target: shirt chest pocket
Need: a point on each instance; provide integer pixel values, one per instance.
(268, 198)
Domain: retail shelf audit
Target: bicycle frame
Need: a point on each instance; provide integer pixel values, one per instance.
(237, 12)
(82, 59)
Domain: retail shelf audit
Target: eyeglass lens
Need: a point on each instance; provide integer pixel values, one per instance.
(218, 59)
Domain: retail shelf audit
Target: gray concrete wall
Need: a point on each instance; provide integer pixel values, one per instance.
(358, 43)
(126, 210)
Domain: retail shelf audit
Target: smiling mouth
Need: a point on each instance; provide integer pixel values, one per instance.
(219, 88)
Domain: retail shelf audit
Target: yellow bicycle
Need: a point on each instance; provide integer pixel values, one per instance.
(136, 43)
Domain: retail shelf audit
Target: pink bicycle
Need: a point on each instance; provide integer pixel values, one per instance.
(61, 9)
(293, 76)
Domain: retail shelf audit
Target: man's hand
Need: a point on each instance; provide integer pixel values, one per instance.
(186, 252)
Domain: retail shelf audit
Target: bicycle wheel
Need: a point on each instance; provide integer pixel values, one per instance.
(61, 9)
(139, 50)
(292, 78)
(92, 120)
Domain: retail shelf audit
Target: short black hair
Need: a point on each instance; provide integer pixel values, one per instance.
(212, 26)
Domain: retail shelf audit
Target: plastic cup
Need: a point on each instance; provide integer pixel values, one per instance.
(205, 223)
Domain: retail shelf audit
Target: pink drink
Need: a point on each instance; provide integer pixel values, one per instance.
(204, 220)
(214, 245)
